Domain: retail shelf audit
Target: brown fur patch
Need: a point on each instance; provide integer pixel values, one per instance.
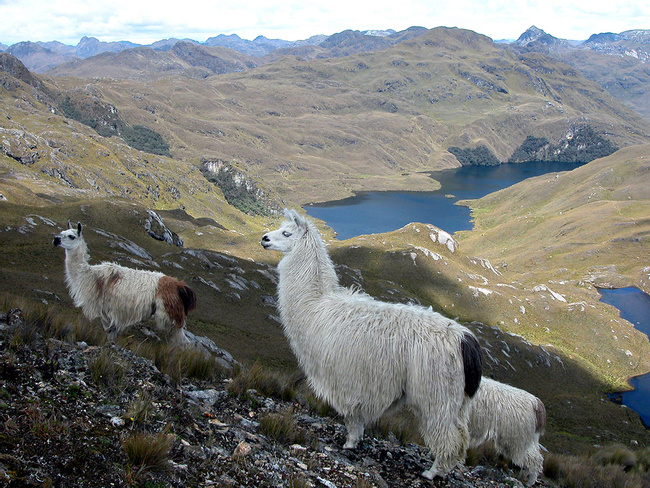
(172, 291)
(540, 417)
(108, 283)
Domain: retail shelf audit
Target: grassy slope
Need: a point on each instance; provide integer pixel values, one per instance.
(572, 231)
(322, 129)
(241, 318)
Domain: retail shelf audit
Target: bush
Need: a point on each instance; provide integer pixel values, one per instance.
(480, 156)
(145, 139)
(529, 150)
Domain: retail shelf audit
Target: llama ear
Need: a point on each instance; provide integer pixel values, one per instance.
(69, 224)
(79, 228)
(297, 219)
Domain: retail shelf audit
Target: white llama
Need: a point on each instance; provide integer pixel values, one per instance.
(364, 356)
(122, 297)
(514, 420)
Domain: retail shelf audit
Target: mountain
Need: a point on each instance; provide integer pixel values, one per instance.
(258, 47)
(308, 127)
(144, 63)
(534, 36)
(39, 57)
(617, 62)
(91, 46)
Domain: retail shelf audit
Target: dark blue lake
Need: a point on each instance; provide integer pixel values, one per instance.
(378, 212)
(635, 308)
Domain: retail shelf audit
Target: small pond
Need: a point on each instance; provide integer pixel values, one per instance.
(635, 308)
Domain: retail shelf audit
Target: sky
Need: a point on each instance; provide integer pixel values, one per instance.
(146, 21)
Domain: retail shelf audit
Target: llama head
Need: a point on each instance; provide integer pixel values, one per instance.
(69, 238)
(285, 238)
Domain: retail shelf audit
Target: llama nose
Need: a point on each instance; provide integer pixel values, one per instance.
(57, 241)
(265, 238)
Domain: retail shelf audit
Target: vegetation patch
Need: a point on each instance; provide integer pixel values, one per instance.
(478, 156)
(238, 190)
(580, 145)
(145, 139)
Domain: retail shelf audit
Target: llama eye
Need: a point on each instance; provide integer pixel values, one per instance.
(73, 238)
(286, 234)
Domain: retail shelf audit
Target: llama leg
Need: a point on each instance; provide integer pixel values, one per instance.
(449, 445)
(179, 338)
(533, 465)
(355, 432)
(110, 328)
(111, 334)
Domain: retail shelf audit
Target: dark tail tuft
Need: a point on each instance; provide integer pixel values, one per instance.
(540, 417)
(472, 363)
(187, 296)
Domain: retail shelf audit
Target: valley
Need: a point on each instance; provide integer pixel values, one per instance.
(296, 129)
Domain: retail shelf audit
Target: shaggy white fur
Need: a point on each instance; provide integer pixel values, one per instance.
(122, 297)
(364, 356)
(514, 420)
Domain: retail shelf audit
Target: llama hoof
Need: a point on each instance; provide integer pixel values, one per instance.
(430, 474)
(350, 445)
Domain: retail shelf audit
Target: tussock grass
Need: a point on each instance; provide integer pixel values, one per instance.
(179, 363)
(613, 466)
(140, 408)
(265, 381)
(400, 424)
(148, 452)
(106, 369)
(282, 428)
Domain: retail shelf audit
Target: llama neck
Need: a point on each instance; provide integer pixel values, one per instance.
(307, 272)
(76, 262)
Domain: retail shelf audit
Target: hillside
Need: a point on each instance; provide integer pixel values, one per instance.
(322, 129)
(143, 63)
(47, 158)
(236, 305)
(574, 231)
(617, 62)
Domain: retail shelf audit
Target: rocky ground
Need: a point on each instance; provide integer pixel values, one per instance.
(73, 414)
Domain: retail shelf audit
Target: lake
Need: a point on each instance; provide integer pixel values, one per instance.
(635, 308)
(378, 212)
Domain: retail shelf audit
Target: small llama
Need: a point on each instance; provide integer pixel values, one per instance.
(122, 297)
(364, 356)
(514, 420)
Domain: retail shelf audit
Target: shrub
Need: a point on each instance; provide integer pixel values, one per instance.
(480, 156)
(144, 139)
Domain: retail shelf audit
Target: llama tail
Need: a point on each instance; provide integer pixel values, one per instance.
(472, 363)
(540, 417)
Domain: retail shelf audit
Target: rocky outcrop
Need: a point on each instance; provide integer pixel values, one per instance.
(157, 229)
